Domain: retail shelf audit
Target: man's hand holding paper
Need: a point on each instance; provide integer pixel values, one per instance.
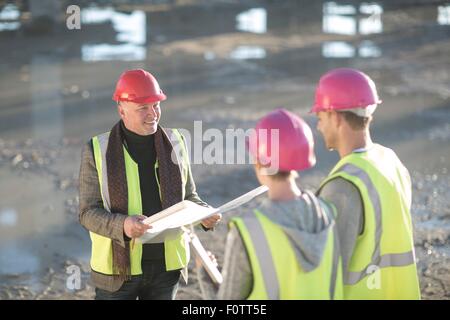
(212, 221)
(166, 224)
(134, 226)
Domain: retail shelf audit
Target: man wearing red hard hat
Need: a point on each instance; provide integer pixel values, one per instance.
(371, 190)
(126, 175)
(286, 248)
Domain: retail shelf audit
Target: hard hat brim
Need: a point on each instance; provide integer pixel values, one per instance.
(315, 108)
(149, 99)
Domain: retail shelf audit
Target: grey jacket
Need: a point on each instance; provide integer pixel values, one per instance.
(350, 215)
(96, 219)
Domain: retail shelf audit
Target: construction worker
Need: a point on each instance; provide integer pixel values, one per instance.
(287, 247)
(371, 190)
(126, 175)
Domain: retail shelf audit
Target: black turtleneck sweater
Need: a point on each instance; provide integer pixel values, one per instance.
(142, 150)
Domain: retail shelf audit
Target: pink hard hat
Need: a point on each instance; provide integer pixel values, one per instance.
(345, 89)
(138, 86)
(295, 143)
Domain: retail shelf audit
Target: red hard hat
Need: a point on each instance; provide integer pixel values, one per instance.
(138, 86)
(343, 89)
(296, 143)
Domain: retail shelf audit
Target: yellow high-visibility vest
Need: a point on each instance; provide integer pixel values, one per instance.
(276, 271)
(382, 265)
(176, 250)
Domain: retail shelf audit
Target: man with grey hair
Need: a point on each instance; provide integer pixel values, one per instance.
(126, 175)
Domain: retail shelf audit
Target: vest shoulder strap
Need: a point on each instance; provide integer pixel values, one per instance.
(263, 253)
(100, 145)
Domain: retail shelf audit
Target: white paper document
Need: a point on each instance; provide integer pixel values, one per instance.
(166, 225)
(204, 258)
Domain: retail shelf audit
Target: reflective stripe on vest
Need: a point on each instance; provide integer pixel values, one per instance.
(103, 143)
(381, 261)
(264, 256)
(336, 251)
(336, 256)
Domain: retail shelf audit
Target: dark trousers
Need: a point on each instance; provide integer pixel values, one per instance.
(155, 283)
